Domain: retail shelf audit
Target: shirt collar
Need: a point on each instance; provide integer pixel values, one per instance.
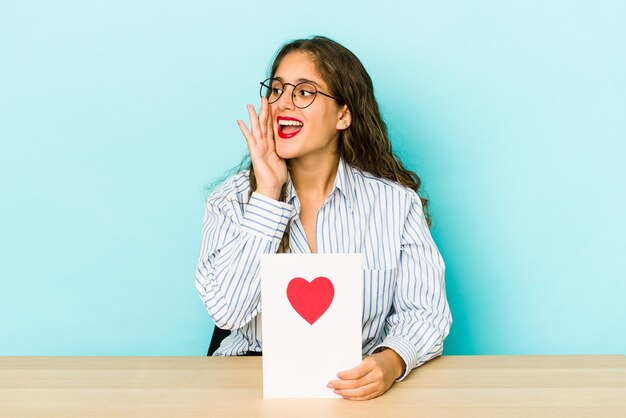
(344, 182)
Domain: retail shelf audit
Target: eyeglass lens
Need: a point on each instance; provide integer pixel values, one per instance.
(303, 93)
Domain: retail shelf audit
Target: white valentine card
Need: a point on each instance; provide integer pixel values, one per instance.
(311, 319)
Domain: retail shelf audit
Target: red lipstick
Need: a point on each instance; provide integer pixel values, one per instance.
(288, 127)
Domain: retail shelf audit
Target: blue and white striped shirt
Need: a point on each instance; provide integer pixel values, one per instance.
(404, 300)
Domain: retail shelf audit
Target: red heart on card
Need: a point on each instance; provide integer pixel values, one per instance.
(312, 299)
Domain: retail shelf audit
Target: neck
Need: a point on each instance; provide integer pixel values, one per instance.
(314, 178)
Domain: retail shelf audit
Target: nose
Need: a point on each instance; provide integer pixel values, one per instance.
(285, 101)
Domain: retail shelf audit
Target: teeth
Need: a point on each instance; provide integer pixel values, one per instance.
(289, 122)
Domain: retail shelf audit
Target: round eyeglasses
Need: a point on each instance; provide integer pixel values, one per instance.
(302, 95)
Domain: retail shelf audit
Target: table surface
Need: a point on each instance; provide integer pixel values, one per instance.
(448, 386)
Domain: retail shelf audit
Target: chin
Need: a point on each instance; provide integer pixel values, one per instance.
(287, 153)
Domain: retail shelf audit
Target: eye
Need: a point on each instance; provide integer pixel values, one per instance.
(305, 90)
(276, 91)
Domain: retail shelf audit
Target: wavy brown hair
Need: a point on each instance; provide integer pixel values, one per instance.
(365, 143)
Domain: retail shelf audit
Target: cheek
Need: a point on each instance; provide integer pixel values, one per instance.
(330, 123)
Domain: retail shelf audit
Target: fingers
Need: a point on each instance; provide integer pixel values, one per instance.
(350, 384)
(361, 375)
(246, 133)
(269, 129)
(361, 393)
(363, 368)
(254, 122)
(263, 117)
(365, 381)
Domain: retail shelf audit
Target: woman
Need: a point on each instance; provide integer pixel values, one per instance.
(323, 178)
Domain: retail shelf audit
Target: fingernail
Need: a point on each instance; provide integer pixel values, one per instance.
(329, 385)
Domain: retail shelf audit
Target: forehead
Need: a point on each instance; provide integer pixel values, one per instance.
(296, 66)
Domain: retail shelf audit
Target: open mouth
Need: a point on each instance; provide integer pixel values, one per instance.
(288, 127)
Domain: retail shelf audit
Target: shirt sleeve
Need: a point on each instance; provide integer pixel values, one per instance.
(421, 317)
(234, 235)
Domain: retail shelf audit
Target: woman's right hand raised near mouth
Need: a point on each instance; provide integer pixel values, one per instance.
(269, 169)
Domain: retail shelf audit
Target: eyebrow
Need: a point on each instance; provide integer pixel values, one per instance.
(302, 80)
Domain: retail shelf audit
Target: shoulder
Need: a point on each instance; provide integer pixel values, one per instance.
(370, 186)
(234, 190)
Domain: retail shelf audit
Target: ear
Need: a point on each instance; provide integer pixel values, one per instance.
(345, 118)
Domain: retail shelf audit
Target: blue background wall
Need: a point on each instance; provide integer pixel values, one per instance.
(115, 115)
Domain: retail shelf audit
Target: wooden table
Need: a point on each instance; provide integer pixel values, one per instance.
(449, 386)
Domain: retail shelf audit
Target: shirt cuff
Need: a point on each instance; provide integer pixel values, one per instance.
(404, 348)
(267, 217)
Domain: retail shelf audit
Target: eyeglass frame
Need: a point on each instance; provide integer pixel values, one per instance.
(262, 83)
